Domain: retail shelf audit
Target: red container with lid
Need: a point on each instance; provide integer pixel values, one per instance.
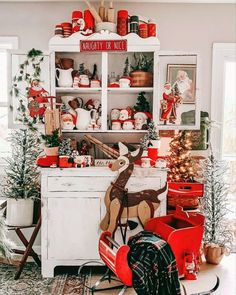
(122, 22)
(143, 30)
(89, 21)
(152, 29)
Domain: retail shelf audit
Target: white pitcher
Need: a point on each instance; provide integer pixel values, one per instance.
(65, 77)
(84, 118)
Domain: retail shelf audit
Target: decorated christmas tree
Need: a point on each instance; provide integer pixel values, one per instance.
(142, 105)
(180, 162)
(22, 175)
(214, 204)
(64, 147)
(126, 68)
(5, 244)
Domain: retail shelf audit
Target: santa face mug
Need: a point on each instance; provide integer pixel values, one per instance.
(128, 125)
(115, 114)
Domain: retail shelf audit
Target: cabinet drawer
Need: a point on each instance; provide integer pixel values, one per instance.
(78, 184)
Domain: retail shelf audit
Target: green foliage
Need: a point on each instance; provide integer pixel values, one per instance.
(142, 63)
(64, 147)
(81, 69)
(22, 175)
(142, 105)
(5, 244)
(214, 204)
(52, 140)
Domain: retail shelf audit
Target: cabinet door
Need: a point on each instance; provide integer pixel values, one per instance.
(73, 228)
(29, 82)
(178, 97)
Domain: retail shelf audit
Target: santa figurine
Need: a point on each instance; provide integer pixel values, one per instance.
(169, 104)
(37, 98)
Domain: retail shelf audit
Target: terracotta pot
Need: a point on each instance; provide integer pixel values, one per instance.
(214, 253)
(141, 79)
(51, 151)
(63, 162)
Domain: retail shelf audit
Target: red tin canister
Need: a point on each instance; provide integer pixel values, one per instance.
(122, 22)
(152, 29)
(143, 30)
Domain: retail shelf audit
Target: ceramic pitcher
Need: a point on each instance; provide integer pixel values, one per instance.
(65, 77)
(84, 118)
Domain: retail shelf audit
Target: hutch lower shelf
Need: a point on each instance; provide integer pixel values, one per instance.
(73, 206)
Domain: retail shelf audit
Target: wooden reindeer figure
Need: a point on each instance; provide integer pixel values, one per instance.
(119, 202)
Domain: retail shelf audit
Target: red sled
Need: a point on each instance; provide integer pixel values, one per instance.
(182, 231)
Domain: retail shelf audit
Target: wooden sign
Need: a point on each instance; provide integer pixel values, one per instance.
(103, 45)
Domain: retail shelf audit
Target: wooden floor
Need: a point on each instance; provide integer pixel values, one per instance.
(226, 271)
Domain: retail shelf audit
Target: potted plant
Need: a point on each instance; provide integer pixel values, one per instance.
(217, 236)
(65, 153)
(22, 185)
(141, 74)
(52, 143)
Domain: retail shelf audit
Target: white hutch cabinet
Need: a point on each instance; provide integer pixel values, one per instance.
(166, 67)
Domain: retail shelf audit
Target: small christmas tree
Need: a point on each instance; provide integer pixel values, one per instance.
(126, 68)
(214, 204)
(180, 163)
(5, 244)
(22, 175)
(142, 105)
(152, 134)
(64, 147)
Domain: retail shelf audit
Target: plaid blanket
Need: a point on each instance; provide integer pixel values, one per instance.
(153, 265)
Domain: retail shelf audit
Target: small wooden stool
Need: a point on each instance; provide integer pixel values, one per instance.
(28, 244)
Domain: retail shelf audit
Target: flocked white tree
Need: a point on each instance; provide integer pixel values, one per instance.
(22, 175)
(5, 243)
(214, 204)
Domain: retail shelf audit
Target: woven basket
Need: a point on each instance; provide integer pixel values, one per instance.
(141, 79)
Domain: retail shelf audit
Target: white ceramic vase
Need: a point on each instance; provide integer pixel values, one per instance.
(19, 212)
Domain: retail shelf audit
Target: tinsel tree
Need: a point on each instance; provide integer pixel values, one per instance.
(214, 204)
(5, 244)
(22, 175)
(180, 163)
(142, 104)
(126, 68)
(152, 134)
(64, 147)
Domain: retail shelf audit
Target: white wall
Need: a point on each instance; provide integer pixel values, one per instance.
(183, 27)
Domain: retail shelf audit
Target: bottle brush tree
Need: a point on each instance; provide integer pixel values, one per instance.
(142, 104)
(180, 163)
(64, 147)
(22, 175)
